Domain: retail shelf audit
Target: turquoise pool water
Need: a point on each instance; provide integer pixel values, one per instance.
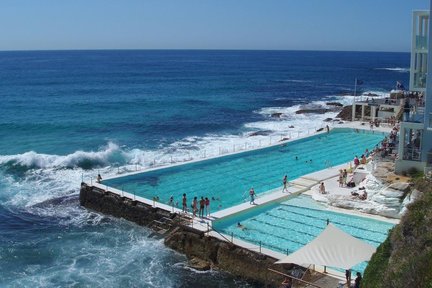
(228, 179)
(287, 226)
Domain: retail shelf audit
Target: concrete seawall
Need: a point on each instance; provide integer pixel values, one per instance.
(195, 244)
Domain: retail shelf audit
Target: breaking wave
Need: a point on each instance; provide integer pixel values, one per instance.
(396, 69)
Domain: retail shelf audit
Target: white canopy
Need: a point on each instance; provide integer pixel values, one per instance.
(334, 248)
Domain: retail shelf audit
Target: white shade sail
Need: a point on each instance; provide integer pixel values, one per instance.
(333, 248)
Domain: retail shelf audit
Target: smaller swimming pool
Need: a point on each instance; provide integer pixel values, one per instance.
(287, 226)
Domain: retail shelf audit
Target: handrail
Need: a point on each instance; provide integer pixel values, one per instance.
(295, 278)
(226, 239)
(307, 269)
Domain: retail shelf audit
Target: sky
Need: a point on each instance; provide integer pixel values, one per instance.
(341, 25)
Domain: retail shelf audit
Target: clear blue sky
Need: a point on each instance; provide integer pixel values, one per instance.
(364, 25)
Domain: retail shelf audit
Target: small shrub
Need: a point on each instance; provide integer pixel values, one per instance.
(412, 171)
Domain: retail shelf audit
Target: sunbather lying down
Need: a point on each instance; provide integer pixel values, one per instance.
(362, 196)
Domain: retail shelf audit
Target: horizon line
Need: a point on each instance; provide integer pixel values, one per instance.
(193, 49)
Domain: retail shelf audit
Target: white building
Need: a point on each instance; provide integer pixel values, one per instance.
(415, 135)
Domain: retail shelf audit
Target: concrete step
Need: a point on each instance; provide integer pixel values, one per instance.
(304, 182)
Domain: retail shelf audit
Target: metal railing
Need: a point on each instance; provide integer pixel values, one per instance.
(295, 278)
(222, 150)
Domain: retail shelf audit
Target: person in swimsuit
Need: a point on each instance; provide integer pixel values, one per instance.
(201, 209)
(252, 196)
(207, 206)
(285, 182)
(322, 188)
(194, 206)
(184, 203)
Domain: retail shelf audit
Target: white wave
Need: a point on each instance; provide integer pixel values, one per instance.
(348, 99)
(32, 159)
(185, 266)
(396, 69)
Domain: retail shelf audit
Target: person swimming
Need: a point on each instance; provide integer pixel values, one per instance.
(241, 226)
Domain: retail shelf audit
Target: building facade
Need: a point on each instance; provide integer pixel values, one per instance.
(415, 135)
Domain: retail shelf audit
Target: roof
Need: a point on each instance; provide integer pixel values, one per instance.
(333, 248)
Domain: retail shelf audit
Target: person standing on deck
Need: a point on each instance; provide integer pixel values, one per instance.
(357, 282)
(194, 206)
(348, 277)
(285, 183)
(345, 177)
(207, 206)
(201, 209)
(184, 203)
(252, 196)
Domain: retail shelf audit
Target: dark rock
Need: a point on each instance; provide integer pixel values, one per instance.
(291, 126)
(337, 104)
(199, 264)
(276, 115)
(346, 113)
(260, 133)
(328, 119)
(313, 111)
(320, 129)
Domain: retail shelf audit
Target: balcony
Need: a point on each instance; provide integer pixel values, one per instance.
(415, 115)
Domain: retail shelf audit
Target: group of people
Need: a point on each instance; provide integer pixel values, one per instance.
(362, 160)
(362, 196)
(202, 206)
(387, 145)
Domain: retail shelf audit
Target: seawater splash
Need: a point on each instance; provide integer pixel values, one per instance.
(396, 69)
(85, 160)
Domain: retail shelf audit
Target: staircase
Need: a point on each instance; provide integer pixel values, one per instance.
(165, 225)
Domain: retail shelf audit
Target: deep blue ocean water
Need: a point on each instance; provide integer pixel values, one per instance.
(69, 114)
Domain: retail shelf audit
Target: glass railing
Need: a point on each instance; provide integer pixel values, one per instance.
(419, 80)
(412, 154)
(414, 116)
(421, 42)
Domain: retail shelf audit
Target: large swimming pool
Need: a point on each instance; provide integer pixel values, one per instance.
(287, 226)
(228, 179)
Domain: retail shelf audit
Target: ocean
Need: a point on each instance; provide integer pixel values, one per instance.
(68, 115)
